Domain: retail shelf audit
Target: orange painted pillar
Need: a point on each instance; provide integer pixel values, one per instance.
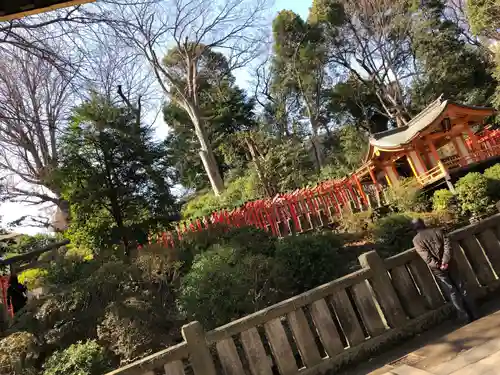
(391, 174)
(361, 191)
(374, 179)
(435, 154)
(477, 155)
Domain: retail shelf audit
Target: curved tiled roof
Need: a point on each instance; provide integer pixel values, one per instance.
(399, 137)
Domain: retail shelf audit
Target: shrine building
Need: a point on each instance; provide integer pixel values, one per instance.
(438, 142)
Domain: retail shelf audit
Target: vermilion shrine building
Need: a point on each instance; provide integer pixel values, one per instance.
(435, 144)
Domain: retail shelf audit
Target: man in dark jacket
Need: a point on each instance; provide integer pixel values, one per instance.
(16, 294)
(434, 248)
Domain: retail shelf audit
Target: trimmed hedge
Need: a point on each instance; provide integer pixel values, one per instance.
(473, 194)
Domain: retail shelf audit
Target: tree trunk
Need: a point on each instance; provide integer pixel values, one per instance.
(270, 192)
(207, 156)
(316, 145)
(62, 216)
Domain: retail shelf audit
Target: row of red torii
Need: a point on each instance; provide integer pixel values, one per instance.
(424, 144)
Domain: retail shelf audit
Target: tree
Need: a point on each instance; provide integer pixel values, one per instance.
(370, 40)
(228, 110)
(34, 35)
(351, 102)
(279, 103)
(34, 104)
(299, 65)
(484, 18)
(113, 171)
(197, 28)
(449, 65)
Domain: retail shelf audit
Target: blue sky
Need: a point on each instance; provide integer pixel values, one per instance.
(298, 6)
(12, 211)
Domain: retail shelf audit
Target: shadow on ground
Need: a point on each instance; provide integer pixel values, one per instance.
(440, 344)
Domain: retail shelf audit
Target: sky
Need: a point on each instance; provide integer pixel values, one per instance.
(12, 211)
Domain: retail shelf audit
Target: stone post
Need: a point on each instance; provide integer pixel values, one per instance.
(199, 353)
(383, 288)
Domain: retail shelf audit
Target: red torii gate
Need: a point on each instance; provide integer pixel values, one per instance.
(294, 212)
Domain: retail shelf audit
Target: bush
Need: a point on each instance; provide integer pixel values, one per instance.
(139, 326)
(407, 196)
(237, 192)
(67, 271)
(79, 359)
(394, 234)
(223, 285)
(311, 260)
(493, 175)
(472, 194)
(245, 240)
(359, 222)
(158, 264)
(115, 301)
(442, 200)
(33, 278)
(18, 354)
(201, 205)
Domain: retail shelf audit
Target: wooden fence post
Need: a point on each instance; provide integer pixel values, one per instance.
(199, 353)
(384, 290)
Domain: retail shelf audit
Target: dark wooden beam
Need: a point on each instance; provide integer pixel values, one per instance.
(12, 9)
(32, 254)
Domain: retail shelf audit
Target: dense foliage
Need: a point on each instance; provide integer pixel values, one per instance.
(472, 194)
(442, 200)
(115, 175)
(80, 358)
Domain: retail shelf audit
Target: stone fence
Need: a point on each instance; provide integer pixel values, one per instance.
(335, 323)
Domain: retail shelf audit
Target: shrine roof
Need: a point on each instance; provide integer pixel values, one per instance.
(399, 137)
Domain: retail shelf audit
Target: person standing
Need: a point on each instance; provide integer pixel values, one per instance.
(16, 294)
(434, 248)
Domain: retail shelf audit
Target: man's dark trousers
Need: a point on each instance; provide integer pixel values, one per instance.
(454, 291)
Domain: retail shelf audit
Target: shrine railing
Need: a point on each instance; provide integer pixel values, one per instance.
(431, 175)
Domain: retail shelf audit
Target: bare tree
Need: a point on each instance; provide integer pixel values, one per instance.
(372, 41)
(193, 29)
(34, 107)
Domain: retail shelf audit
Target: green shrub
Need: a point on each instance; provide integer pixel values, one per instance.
(311, 260)
(493, 175)
(472, 194)
(222, 286)
(442, 200)
(245, 240)
(79, 359)
(116, 302)
(201, 205)
(33, 278)
(237, 192)
(66, 271)
(18, 354)
(393, 234)
(359, 222)
(407, 196)
(139, 326)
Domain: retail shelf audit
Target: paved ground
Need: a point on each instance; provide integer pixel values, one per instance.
(446, 350)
